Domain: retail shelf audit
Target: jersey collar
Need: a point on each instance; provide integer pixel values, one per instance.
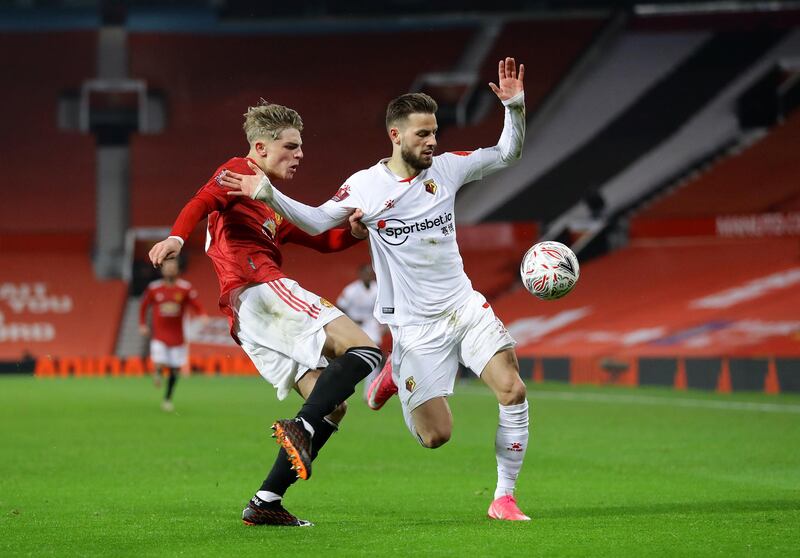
(396, 178)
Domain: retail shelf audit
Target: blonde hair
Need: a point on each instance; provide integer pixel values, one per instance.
(268, 120)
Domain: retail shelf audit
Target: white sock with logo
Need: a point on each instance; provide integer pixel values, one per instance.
(510, 444)
(267, 496)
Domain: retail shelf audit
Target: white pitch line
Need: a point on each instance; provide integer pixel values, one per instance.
(665, 401)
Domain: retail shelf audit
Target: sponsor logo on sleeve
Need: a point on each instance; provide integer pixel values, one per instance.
(342, 193)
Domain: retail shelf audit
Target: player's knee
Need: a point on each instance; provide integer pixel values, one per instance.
(513, 393)
(338, 413)
(435, 439)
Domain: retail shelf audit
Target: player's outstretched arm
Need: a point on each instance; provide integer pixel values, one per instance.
(511, 92)
(313, 220)
(334, 240)
(203, 203)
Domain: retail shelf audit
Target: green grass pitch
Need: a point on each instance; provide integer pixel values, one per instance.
(92, 467)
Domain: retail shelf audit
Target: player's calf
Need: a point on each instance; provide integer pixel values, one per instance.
(337, 382)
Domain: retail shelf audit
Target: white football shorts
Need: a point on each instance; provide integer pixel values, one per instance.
(425, 356)
(173, 357)
(279, 324)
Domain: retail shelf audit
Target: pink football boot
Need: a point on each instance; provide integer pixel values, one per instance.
(382, 387)
(506, 508)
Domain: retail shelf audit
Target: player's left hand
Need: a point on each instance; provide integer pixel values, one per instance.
(166, 249)
(256, 186)
(357, 228)
(508, 82)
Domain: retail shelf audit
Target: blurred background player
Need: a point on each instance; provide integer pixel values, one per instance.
(297, 339)
(435, 316)
(357, 300)
(169, 298)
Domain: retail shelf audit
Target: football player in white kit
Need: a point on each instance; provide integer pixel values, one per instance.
(357, 300)
(436, 318)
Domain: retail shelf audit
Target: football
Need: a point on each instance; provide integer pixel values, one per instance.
(549, 270)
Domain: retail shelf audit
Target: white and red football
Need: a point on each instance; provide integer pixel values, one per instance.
(549, 270)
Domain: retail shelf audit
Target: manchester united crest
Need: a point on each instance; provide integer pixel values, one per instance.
(325, 302)
(410, 384)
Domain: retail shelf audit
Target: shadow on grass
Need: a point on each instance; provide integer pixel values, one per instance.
(676, 508)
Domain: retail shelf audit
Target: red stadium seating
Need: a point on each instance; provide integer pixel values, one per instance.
(644, 300)
(50, 174)
(761, 179)
(51, 304)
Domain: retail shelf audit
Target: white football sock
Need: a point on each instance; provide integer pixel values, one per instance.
(510, 444)
(267, 496)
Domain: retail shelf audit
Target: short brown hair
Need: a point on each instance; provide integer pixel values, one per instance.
(409, 103)
(268, 120)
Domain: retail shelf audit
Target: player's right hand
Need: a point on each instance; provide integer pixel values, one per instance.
(144, 331)
(256, 186)
(164, 250)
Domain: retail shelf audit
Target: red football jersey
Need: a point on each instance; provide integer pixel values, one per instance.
(244, 234)
(169, 302)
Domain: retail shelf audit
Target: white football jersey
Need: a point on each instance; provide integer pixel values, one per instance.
(412, 233)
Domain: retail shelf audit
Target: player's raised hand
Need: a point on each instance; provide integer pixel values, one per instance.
(357, 228)
(256, 186)
(509, 83)
(165, 250)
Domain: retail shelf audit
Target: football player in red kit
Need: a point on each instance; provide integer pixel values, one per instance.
(170, 298)
(296, 339)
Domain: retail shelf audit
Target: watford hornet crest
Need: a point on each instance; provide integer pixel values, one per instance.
(431, 186)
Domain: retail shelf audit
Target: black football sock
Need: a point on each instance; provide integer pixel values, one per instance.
(338, 382)
(171, 381)
(281, 476)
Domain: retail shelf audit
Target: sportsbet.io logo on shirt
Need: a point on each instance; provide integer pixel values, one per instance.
(395, 231)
